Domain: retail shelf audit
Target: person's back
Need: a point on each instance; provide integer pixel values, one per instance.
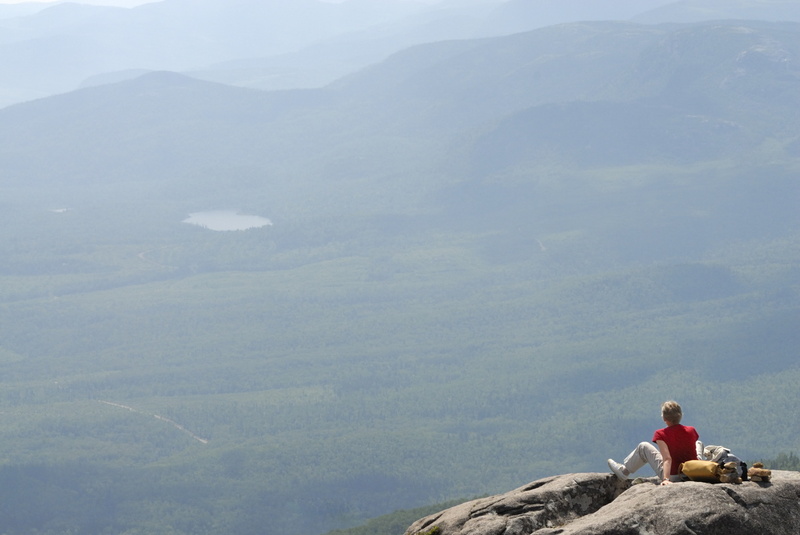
(682, 443)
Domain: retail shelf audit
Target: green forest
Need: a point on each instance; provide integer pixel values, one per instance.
(449, 303)
(352, 380)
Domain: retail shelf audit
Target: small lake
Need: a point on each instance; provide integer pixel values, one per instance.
(223, 220)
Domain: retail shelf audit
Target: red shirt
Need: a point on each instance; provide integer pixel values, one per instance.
(680, 439)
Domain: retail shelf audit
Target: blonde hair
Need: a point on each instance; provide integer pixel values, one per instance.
(671, 412)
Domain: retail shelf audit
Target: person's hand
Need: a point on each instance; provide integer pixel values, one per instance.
(665, 482)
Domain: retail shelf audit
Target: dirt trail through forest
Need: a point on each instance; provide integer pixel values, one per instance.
(173, 423)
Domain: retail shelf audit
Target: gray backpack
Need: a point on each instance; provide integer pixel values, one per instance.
(723, 456)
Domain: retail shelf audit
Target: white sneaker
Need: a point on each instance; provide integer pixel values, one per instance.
(619, 470)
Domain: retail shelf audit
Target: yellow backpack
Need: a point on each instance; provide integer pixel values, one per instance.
(707, 471)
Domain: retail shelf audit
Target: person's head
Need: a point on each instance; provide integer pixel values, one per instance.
(671, 412)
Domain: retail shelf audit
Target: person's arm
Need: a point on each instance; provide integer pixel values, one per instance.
(666, 458)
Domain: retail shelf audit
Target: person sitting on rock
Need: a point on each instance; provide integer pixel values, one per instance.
(676, 444)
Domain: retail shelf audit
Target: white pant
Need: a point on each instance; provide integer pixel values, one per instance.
(645, 453)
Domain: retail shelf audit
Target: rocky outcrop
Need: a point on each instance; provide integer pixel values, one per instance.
(600, 504)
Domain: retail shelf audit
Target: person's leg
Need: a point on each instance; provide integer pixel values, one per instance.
(644, 453)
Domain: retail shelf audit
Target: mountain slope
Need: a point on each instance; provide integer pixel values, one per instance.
(643, 95)
(688, 11)
(523, 15)
(72, 42)
(269, 45)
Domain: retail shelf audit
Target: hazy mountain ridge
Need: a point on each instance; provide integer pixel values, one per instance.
(171, 35)
(674, 99)
(690, 100)
(519, 15)
(268, 45)
(687, 11)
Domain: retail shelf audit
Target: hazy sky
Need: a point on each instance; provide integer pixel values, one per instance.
(120, 3)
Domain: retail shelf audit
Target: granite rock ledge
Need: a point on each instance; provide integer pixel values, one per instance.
(600, 504)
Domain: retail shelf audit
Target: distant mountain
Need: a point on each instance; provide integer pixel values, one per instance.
(589, 94)
(447, 20)
(157, 124)
(684, 94)
(704, 69)
(265, 45)
(8, 11)
(522, 15)
(54, 49)
(704, 10)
